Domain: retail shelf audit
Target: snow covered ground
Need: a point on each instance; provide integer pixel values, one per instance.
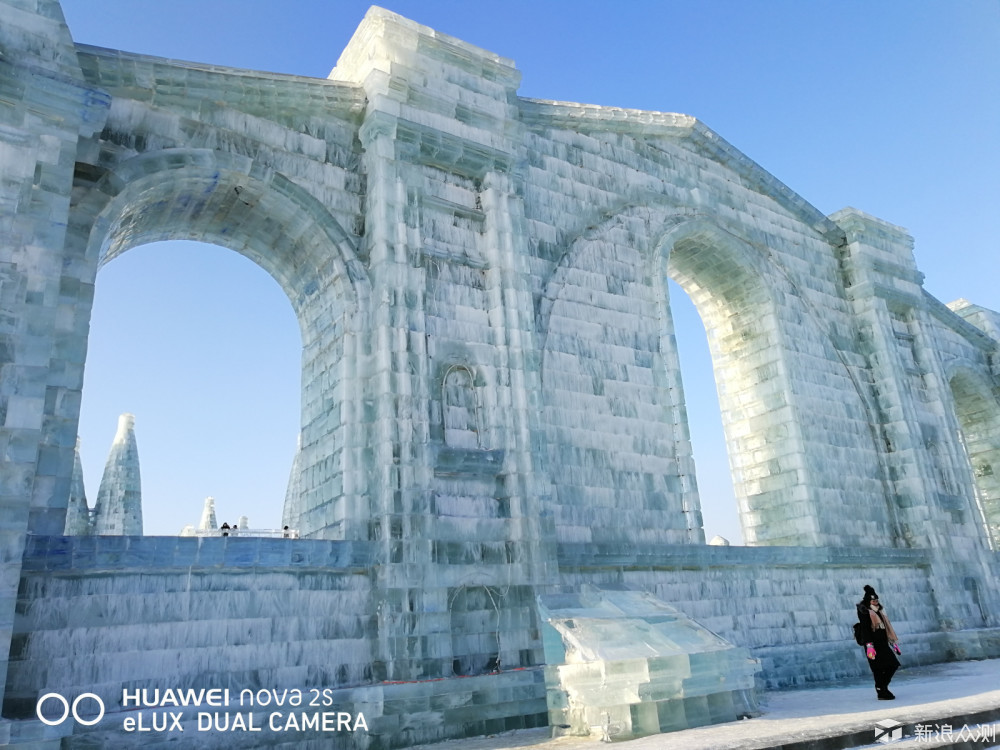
(932, 703)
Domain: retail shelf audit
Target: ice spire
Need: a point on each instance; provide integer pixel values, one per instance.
(292, 509)
(118, 510)
(77, 512)
(208, 521)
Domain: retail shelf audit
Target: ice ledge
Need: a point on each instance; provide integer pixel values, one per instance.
(597, 117)
(137, 76)
(72, 555)
(576, 555)
(980, 326)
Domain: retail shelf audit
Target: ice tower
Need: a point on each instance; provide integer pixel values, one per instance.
(118, 510)
(208, 520)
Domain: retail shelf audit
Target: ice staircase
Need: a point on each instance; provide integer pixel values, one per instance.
(624, 664)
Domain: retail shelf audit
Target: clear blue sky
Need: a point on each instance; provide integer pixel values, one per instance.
(891, 107)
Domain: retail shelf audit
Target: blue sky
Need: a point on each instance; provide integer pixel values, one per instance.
(891, 107)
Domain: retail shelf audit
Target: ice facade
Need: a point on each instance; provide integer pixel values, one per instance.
(492, 408)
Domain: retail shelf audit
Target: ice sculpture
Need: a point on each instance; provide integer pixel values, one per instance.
(118, 510)
(623, 664)
(77, 511)
(208, 522)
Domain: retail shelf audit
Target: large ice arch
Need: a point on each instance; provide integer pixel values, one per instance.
(231, 201)
(764, 335)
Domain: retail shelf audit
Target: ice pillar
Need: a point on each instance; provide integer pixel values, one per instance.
(118, 510)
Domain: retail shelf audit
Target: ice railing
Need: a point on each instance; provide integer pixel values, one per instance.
(265, 533)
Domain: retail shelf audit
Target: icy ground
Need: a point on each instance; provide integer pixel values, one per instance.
(924, 695)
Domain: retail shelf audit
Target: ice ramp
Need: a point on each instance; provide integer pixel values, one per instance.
(623, 664)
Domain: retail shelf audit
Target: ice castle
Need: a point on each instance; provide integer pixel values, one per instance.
(494, 484)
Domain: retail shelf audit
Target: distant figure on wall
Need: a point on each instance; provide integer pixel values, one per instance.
(881, 643)
(224, 529)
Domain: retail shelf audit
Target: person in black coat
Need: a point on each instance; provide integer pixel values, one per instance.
(881, 643)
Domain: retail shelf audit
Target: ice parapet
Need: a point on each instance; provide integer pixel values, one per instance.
(623, 664)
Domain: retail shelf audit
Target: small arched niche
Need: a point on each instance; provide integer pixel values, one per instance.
(460, 410)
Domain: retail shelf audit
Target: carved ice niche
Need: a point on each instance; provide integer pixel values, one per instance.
(460, 409)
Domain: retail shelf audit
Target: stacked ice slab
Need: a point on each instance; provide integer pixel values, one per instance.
(625, 664)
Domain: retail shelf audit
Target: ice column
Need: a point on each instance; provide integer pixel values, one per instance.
(208, 522)
(118, 510)
(77, 512)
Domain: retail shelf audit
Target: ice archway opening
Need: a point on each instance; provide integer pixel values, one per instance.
(203, 346)
(195, 195)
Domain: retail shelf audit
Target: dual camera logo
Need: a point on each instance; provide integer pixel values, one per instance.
(67, 709)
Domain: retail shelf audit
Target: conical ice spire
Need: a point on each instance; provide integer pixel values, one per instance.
(77, 512)
(208, 521)
(292, 509)
(118, 510)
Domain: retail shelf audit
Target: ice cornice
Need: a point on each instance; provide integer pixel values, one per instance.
(948, 315)
(853, 219)
(592, 118)
(173, 82)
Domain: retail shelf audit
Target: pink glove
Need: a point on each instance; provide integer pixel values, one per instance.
(870, 650)
(895, 647)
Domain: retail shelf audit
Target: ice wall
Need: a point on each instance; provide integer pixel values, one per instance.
(101, 614)
(792, 607)
(191, 612)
